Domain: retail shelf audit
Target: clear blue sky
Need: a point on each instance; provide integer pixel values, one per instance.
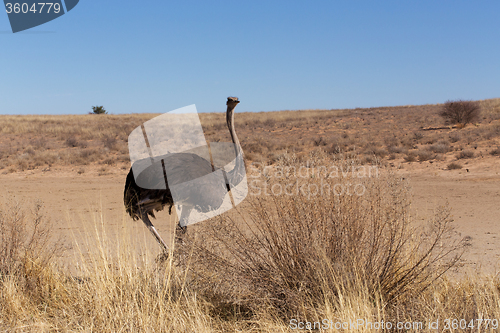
(156, 56)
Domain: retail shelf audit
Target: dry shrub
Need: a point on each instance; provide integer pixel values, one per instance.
(71, 142)
(395, 149)
(460, 112)
(29, 150)
(455, 137)
(109, 142)
(410, 157)
(417, 136)
(491, 132)
(425, 155)
(379, 152)
(454, 166)
(26, 247)
(39, 143)
(253, 147)
(90, 155)
(320, 141)
(495, 152)
(109, 161)
(441, 147)
(465, 154)
(295, 252)
(269, 122)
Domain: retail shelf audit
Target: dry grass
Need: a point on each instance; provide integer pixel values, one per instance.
(32, 142)
(301, 256)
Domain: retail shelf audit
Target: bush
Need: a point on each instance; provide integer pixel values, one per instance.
(72, 142)
(460, 112)
(465, 154)
(454, 165)
(295, 251)
(410, 157)
(425, 155)
(495, 152)
(109, 142)
(440, 148)
(25, 246)
(98, 110)
(320, 141)
(455, 137)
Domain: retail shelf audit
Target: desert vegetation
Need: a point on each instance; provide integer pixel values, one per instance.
(350, 253)
(461, 112)
(393, 135)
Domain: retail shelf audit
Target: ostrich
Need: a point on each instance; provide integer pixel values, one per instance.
(141, 203)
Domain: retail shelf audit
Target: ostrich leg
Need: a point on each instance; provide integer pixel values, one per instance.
(155, 233)
(181, 230)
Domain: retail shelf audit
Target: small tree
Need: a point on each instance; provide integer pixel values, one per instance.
(99, 110)
(460, 112)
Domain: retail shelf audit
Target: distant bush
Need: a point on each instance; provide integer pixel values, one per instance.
(440, 147)
(495, 152)
(99, 110)
(109, 142)
(460, 112)
(454, 137)
(394, 149)
(410, 157)
(425, 155)
(71, 142)
(465, 154)
(454, 165)
(320, 141)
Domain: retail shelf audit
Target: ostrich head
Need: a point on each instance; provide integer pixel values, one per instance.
(232, 101)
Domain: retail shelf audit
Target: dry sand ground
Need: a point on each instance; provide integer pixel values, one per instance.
(75, 201)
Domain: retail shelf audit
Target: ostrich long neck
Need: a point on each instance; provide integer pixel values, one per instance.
(235, 175)
(230, 126)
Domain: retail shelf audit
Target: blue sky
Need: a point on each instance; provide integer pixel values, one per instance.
(157, 56)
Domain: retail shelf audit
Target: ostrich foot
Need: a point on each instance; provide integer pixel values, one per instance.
(179, 234)
(162, 257)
